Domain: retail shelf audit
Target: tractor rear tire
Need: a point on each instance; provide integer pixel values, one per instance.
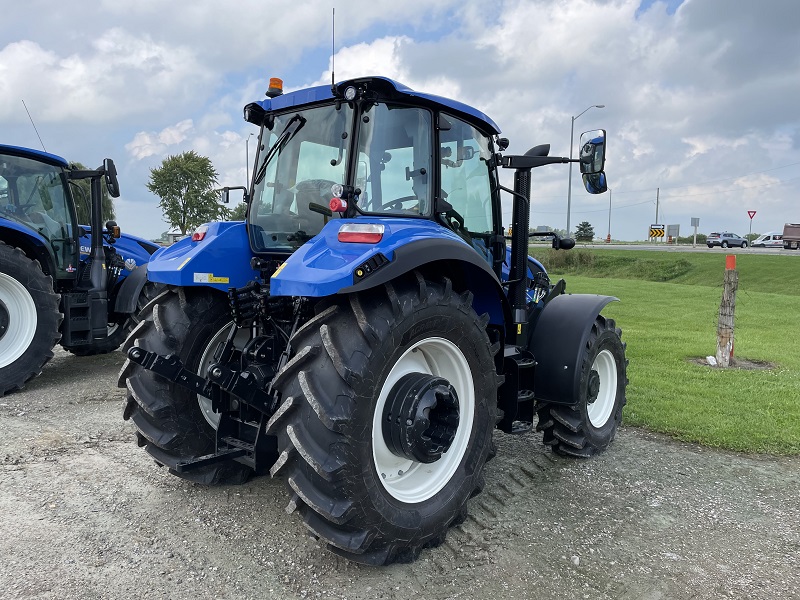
(368, 503)
(173, 423)
(29, 318)
(120, 329)
(589, 426)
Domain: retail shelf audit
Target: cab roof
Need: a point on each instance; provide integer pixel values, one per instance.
(45, 157)
(387, 89)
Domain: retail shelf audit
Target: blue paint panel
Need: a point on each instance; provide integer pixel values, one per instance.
(223, 253)
(31, 233)
(324, 265)
(127, 247)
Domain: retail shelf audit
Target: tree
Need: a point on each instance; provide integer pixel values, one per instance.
(83, 198)
(584, 232)
(239, 212)
(186, 184)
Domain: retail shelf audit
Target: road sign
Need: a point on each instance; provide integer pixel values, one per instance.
(751, 214)
(695, 221)
(656, 231)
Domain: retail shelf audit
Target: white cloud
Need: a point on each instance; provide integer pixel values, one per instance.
(707, 94)
(146, 144)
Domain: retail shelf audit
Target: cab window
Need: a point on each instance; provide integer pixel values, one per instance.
(466, 182)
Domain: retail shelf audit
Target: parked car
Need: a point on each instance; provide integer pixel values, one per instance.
(773, 239)
(725, 239)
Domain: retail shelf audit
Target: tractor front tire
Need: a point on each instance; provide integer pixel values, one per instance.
(29, 318)
(589, 426)
(173, 423)
(347, 480)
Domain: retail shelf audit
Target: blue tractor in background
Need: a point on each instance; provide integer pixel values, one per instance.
(61, 281)
(367, 329)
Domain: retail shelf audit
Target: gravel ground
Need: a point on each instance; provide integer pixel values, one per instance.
(86, 514)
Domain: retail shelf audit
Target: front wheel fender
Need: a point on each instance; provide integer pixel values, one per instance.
(560, 334)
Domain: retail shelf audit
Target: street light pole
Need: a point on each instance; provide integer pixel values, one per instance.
(608, 239)
(247, 158)
(569, 186)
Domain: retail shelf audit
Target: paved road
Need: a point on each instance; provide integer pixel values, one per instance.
(688, 248)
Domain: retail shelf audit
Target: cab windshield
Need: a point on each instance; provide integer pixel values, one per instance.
(33, 194)
(299, 159)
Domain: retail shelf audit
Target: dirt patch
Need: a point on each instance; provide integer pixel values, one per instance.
(87, 514)
(736, 363)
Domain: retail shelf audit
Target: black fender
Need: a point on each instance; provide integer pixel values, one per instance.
(557, 345)
(129, 290)
(456, 260)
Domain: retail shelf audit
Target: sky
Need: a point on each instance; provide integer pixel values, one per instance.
(700, 96)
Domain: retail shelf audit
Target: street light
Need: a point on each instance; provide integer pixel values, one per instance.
(571, 132)
(247, 158)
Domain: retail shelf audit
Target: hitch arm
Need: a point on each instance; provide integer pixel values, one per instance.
(170, 367)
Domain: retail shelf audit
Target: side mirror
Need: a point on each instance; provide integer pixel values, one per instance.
(564, 243)
(111, 178)
(593, 151)
(225, 194)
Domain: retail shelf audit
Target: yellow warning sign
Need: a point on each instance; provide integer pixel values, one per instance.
(656, 231)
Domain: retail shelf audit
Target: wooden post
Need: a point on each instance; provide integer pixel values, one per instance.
(727, 308)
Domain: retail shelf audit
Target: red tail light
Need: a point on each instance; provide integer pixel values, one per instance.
(361, 233)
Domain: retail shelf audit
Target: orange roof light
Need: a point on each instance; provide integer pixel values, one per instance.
(275, 87)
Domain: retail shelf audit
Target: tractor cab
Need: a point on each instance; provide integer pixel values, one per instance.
(35, 195)
(371, 147)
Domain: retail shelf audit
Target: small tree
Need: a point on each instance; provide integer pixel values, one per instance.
(584, 232)
(239, 212)
(83, 198)
(186, 184)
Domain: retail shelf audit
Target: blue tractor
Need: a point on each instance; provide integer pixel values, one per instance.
(60, 281)
(367, 329)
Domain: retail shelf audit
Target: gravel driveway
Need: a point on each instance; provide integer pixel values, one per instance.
(86, 514)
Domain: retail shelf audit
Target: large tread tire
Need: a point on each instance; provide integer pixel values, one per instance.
(168, 418)
(586, 428)
(343, 358)
(29, 318)
(120, 329)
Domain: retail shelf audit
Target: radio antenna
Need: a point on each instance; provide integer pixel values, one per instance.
(34, 125)
(333, 48)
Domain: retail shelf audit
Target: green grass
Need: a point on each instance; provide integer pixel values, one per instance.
(667, 324)
(778, 274)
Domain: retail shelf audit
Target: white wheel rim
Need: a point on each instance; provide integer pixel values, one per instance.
(410, 481)
(22, 320)
(208, 358)
(600, 410)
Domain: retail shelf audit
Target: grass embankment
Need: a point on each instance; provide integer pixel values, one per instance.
(666, 324)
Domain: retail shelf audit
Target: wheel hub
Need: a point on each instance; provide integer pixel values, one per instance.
(420, 417)
(5, 320)
(594, 386)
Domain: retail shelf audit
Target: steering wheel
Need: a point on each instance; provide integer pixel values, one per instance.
(398, 204)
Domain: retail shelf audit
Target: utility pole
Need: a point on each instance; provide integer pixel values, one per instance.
(657, 190)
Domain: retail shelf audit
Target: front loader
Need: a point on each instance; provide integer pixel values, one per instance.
(367, 329)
